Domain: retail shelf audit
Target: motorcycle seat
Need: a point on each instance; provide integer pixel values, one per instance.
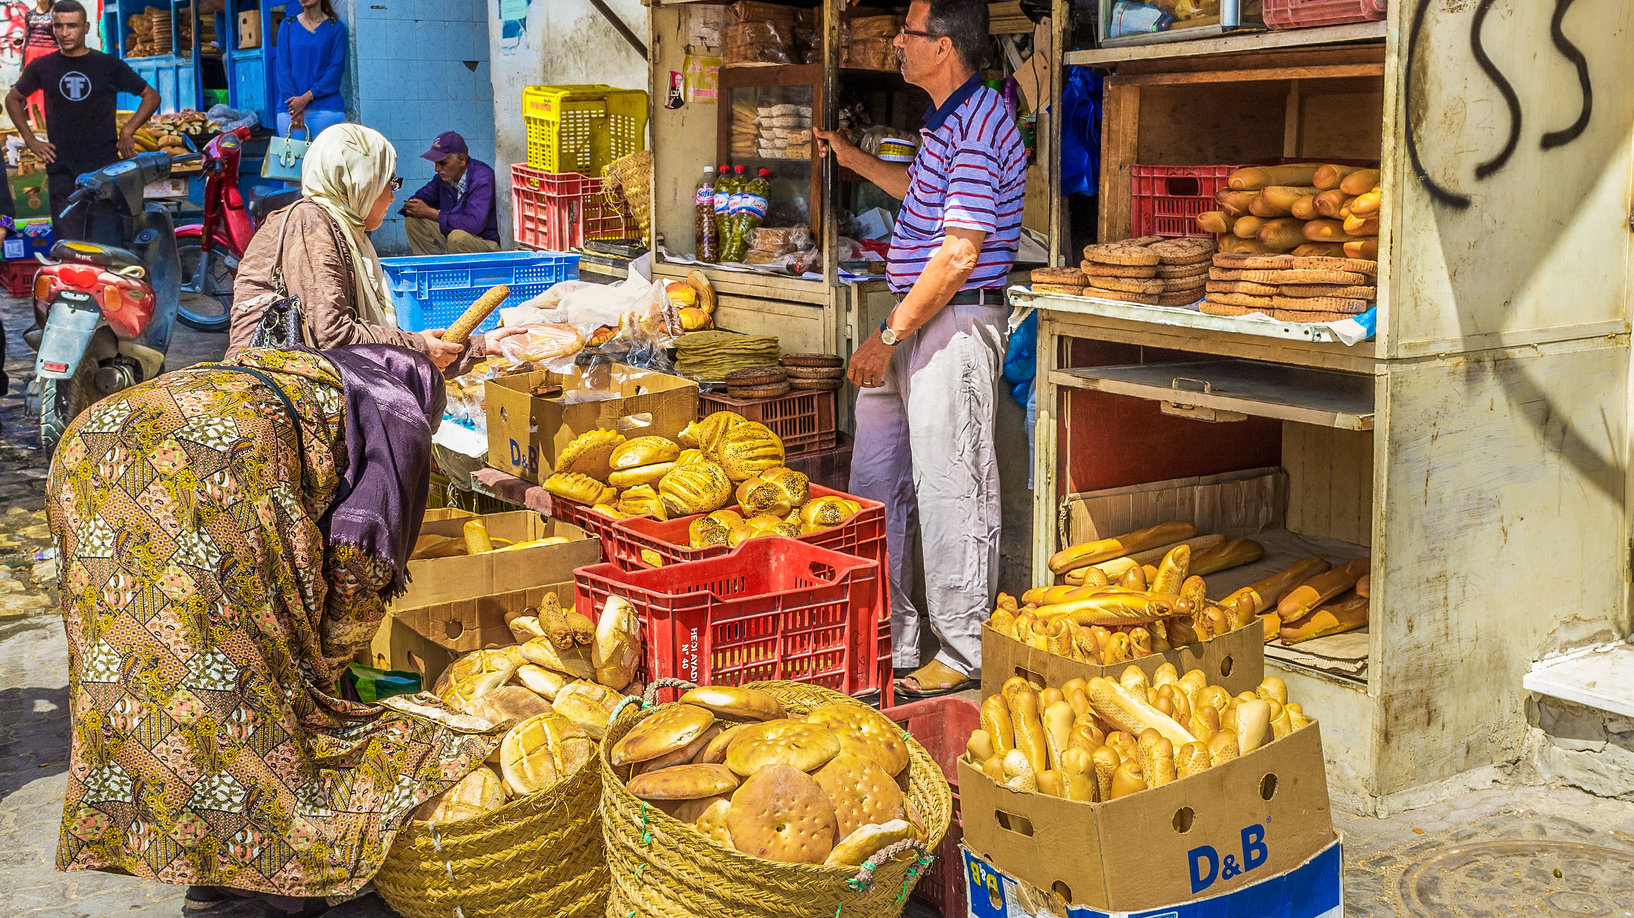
(110, 257)
(263, 202)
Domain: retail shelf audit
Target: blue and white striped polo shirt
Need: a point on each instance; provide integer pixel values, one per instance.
(971, 173)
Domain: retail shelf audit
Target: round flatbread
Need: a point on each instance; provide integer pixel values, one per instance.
(1057, 288)
(1128, 284)
(1248, 261)
(1180, 299)
(1211, 308)
(860, 791)
(816, 373)
(781, 814)
(1120, 255)
(663, 731)
(771, 390)
(1349, 292)
(813, 360)
(735, 702)
(1123, 296)
(754, 376)
(1288, 276)
(1200, 269)
(864, 731)
(1308, 317)
(1071, 277)
(1091, 270)
(1242, 299)
(817, 384)
(867, 841)
(683, 782)
(542, 750)
(1319, 304)
(807, 747)
(1248, 287)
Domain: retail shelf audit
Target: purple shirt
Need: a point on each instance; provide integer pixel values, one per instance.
(474, 211)
(970, 173)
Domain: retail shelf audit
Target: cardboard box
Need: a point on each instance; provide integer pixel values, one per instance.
(38, 236)
(1235, 661)
(1314, 889)
(1229, 827)
(442, 580)
(526, 433)
(249, 29)
(425, 640)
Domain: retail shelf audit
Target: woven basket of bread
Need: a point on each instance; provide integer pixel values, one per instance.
(628, 180)
(537, 857)
(661, 867)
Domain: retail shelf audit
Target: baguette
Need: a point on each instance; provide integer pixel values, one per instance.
(1127, 780)
(1133, 714)
(1172, 570)
(1329, 176)
(1156, 755)
(1253, 725)
(1345, 615)
(979, 748)
(1029, 729)
(1266, 592)
(1364, 249)
(1115, 609)
(1305, 208)
(476, 537)
(1278, 200)
(995, 719)
(1088, 553)
(1233, 245)
(1283, 232)
(1359, 182)
(1215, 221)
(1117, 567)
(1357, 225)
(1225, 556)
(1257, 177)
(1326, 231)
(1235, 203)
(1329, 203)
(1058, 721)
(1364, 586)
(1247, 226)
(472, 317)
(1311, 594)
(1368, 203)
(1190, 760)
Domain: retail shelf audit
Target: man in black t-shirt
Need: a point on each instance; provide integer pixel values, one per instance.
(80, 86)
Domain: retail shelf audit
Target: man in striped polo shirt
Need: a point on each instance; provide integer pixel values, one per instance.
(928, 376)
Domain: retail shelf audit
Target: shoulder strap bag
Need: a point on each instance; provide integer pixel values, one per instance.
(284, 156)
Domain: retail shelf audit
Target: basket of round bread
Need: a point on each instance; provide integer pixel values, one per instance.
(520, 836)
(774, 798)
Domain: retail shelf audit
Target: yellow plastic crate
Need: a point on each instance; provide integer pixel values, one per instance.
(582, 128)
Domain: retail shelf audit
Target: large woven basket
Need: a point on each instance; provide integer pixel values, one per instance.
(537, 857)
(663, 868)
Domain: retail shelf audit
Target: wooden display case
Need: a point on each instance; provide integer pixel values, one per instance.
(1476, 448)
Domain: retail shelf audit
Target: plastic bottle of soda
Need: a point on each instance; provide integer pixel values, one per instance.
(750, 208)
(723, 200)
(703, 224)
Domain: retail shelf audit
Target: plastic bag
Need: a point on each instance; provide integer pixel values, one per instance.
(1081, 132)
(230, 118)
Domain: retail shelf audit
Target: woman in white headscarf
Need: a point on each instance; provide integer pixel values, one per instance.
(319, 249)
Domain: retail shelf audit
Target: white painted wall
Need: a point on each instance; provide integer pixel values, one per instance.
(564, 42)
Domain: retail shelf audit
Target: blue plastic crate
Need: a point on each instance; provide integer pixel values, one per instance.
(432, 291)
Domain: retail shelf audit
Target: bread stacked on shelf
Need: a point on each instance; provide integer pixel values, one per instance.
(822, 372)
(1149, 270)
(1301, 209)
(1291, 288)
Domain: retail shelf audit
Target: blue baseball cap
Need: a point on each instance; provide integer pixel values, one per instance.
(447, 144)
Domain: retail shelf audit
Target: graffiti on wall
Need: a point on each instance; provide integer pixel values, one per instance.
(1501, 81)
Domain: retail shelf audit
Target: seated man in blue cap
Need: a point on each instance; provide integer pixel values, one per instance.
(454, 213)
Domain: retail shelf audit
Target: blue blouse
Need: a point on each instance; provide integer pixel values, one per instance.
(311, 61)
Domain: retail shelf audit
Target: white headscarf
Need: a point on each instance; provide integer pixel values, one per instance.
(344, 171)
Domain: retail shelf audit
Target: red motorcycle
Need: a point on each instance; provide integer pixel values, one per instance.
(210, 250)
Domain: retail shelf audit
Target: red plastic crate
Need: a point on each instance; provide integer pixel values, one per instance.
(804, 419)
(942, 725)
(559, 211)
(1308, 14)
(1167, 199)
(580, 515)
(774, 609)
(19, 276)
(862, 536)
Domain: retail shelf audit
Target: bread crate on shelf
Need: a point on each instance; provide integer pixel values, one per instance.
(775, 609)
(597, 524)
(1167, 199)
(804, 419)
(431, 291)
(582, 128)
(942, 725)
(563, 210)
(636, 543)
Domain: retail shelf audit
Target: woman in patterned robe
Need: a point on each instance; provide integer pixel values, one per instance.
(221, 563)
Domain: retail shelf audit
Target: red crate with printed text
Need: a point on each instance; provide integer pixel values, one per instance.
(560, 211)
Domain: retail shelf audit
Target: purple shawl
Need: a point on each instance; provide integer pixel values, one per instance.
(394, 400)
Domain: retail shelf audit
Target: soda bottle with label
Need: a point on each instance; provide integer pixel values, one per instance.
(703, 224)
(749, 208)
(723, 199)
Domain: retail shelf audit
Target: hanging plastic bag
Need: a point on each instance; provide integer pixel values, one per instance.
(1081, 132)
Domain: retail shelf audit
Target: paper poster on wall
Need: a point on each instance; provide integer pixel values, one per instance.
(703, 77)
(513, 24)
(705, 23)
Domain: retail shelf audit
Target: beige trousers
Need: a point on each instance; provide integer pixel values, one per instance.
(426, 238)
(925, 450)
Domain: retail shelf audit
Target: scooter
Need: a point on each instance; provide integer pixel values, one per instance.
(104, 306)
(210, 251)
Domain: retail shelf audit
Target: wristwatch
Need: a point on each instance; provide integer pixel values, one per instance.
(886, 335)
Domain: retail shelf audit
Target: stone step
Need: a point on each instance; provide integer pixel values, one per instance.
(1600, 677)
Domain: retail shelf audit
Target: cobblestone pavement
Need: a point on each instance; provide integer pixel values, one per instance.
(1533, 851)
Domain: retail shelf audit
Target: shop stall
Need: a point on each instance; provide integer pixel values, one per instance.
(1472, 448)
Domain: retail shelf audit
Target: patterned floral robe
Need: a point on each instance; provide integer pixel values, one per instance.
(207, 625)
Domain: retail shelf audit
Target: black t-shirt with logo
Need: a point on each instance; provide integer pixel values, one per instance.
(80, 94)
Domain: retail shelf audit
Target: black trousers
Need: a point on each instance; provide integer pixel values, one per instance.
(60, 185)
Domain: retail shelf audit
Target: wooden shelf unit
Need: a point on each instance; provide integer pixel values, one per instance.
(1496, 458)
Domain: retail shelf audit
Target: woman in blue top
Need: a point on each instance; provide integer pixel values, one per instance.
(311, 61)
